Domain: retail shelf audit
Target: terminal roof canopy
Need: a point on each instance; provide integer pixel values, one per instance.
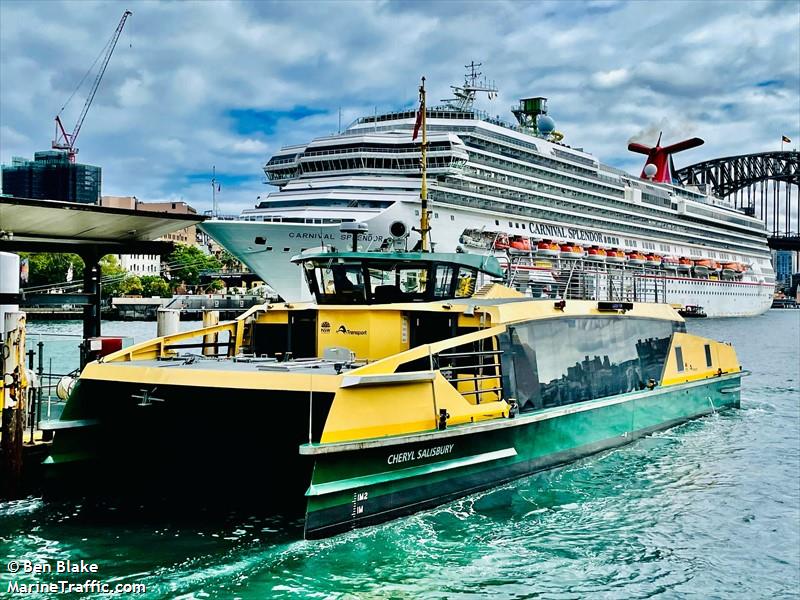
(47, 225)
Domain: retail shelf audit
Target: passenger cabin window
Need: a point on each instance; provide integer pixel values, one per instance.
(382, 282)
(708, 355)
(562, 361)
(679, 358)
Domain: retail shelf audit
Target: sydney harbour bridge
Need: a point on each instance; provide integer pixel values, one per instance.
(764, 185)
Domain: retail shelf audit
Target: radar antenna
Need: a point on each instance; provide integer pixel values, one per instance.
(465, 95)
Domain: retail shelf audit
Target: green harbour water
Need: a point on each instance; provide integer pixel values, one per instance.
(709, 509)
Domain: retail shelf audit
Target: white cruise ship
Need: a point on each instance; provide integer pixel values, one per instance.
(565, 224)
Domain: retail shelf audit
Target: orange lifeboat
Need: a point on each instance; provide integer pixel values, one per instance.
(547, 248)
(734, 266)
(615, 256)
(704, 266)
(652, 260)
(635, 258)
(685, 264)
(728, 272)
(569, 250)
(596, 253)
(669, 262)
(522, 243)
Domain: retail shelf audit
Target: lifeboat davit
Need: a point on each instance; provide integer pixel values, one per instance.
(615, 256)
(571, 251)
(635, 258)
(685, 264)
(501, 242)
(652, 260)
(547, 248)
(595, 253)
(669, 262)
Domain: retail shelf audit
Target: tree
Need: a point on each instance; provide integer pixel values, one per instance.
(153, 285)
(46, 268)
(187, 262)
(228, 261)
(112, 274)
(216, 285)
(131, 286)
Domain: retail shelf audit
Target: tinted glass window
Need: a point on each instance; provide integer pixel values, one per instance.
(708, 355)
(562, 361)
(679, 358)
(444, 278)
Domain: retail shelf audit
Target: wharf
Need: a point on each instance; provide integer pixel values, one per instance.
(52, 313)
(785, 303)
(191, 307)
(35, 449)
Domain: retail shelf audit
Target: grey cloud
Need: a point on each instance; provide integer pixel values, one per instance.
(610, 69)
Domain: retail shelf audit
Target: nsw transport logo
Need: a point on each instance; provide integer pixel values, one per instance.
(325, 327)
(343, 329)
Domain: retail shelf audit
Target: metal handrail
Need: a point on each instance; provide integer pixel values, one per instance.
(476, 353)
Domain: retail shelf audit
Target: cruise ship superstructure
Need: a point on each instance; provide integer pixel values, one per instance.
(562, 223)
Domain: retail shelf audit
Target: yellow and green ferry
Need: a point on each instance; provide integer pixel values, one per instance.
(410, 379)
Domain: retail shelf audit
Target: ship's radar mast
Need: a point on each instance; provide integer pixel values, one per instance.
(465, 95)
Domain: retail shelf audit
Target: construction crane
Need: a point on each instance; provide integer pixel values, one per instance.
(66, 141)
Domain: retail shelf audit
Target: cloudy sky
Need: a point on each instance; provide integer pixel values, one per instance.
(196, 84)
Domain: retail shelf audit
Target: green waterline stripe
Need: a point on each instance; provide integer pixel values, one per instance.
(387, 476)
(518, 421)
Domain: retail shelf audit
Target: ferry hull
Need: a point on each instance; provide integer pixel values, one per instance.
(207, 445)
(369, 486)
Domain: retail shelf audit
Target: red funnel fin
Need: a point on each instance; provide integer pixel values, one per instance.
(640, 148)
(684, 145)
(662, 157)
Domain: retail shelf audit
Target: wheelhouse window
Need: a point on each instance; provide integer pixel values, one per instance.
(336, 281)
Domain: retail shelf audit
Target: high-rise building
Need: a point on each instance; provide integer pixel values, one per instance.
(50, 176)
(783, 267)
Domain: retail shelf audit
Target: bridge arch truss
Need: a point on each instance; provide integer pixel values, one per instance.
(765, 185)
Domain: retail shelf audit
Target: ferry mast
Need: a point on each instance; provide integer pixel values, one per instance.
(424, 224)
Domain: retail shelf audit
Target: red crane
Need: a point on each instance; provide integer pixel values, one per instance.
(64, 140)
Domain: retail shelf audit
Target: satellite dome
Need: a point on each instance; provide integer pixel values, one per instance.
(650, 170)
(545, 124)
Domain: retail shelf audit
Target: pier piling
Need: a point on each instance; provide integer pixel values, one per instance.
(12, 394)
(168, 321)
(210, 318)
